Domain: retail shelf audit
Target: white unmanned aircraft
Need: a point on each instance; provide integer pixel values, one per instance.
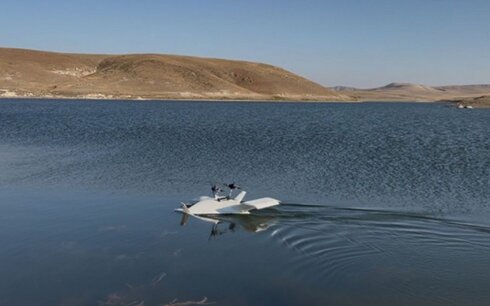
(225, 205)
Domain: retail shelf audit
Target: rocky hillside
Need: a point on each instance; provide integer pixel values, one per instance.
(149, 76)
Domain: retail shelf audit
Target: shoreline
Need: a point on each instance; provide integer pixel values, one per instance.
(138, 98)
(452, 103)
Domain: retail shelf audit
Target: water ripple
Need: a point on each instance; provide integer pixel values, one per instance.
(337, 243)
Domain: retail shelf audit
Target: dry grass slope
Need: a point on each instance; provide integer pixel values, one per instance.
(151, 76)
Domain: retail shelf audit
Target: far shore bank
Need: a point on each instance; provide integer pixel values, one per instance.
(451, 103)
(156, 99)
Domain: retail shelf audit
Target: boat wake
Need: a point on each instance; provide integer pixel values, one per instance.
(342, 244)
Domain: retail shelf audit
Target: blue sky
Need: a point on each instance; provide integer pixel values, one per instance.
(363, 43)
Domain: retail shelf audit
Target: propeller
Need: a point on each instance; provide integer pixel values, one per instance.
(215, 189)
(232, 186)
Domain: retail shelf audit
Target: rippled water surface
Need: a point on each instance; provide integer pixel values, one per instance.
(384, 203)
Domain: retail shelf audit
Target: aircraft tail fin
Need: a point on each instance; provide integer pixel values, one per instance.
(240, 196)
(185, 208)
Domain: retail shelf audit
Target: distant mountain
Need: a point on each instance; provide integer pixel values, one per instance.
(415, 92)
(149, 76)
(344, 88)
(406, 87)
(466, 89)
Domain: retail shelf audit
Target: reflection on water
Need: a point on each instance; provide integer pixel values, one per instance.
(222, 224)
(398, 204)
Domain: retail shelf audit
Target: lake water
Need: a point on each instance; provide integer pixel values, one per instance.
(383, 203)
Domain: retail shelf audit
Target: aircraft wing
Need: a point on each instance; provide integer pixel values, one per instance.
(259, 203)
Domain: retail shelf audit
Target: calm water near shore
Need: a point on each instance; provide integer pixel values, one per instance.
(384, 203)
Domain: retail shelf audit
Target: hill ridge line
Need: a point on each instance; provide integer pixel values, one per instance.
(35, 73)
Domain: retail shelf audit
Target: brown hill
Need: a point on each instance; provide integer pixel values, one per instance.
(152, 76)
(416, 92)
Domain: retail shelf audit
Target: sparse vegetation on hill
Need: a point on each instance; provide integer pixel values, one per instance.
(29, 73)
(149, 76)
